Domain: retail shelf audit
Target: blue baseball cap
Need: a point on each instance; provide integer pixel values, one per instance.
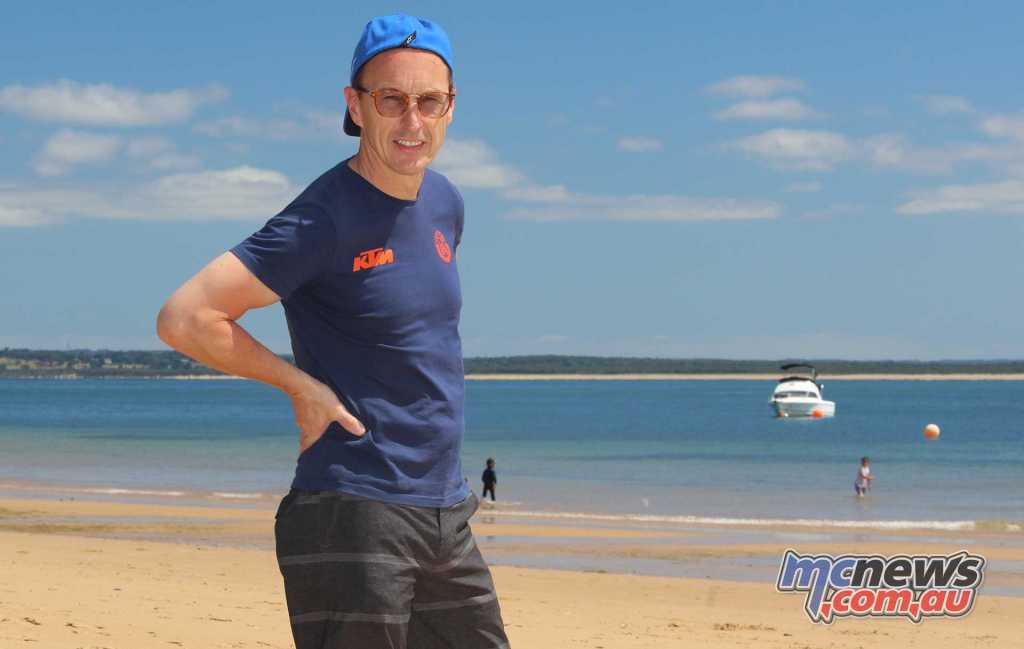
(390, 32)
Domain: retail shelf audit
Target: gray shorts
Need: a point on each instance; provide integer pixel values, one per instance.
(364, 574)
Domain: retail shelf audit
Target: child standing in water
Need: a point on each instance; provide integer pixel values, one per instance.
(864, 477)
(490, 478)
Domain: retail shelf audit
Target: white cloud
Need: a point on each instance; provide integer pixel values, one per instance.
(800, 343)
(553, 339)
(639, 144)
(79, 340)
(823, 150)
(1009, 126)
(105, 105)
(538, 194)
(324, 121)
(834, 210)
(27, 207)
(161, 154)
(875, 112)
(472, 164)
(251, 193)
(67, 148)
(236, 193)
(1006, 197)
(798, 149)
(556, 203)
(783, 109)
(894, 151)
(304, 123)
(237, 126)
(149, 146)
(820, 150)
(755, 86)
(645, 207)
(947, 104)
(804, 187)
(22, 216)
(175, 162)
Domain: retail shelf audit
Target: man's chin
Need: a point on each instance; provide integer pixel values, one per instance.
(410, 167)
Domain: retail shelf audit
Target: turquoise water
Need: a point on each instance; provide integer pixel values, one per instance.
(660, 449)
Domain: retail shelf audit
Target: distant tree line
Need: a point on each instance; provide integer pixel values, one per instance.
(608, 365)
(89, 363)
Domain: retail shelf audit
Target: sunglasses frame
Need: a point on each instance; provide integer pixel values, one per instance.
(408, 101)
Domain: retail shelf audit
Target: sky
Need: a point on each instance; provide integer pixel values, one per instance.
(733, 180)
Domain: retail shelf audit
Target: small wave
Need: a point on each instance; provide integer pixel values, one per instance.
(123, 491)
(110, 491)
(770, 522)
(998, 526)
(106, 491)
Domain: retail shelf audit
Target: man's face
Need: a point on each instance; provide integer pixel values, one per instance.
(406, 144)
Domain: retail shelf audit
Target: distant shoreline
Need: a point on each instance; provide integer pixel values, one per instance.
(595, 377)
(741, 377)
(105, 364)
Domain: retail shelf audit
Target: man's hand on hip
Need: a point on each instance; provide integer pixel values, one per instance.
(316, 406)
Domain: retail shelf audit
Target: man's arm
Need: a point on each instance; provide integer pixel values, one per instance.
(199, 320)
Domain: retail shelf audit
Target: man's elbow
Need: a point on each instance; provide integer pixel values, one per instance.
(172, 325)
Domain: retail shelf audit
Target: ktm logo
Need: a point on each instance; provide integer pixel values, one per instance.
(372, 259)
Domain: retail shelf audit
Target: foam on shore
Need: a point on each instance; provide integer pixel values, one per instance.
(962, 525)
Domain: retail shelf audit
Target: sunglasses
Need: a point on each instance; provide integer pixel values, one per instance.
(390, 102)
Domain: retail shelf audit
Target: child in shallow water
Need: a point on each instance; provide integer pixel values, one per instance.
(490, 478)
(864, 477)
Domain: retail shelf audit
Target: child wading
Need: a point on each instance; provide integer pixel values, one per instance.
(490, 478)
(864, 477)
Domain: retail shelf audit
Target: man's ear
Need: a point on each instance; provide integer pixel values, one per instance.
(354, 108)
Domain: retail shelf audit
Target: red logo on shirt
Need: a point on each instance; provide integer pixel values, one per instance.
(443, 251)
(373, 258)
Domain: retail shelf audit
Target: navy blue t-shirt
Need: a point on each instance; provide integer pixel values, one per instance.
(370, 290)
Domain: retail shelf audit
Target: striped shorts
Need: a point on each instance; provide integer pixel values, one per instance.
(365, 574)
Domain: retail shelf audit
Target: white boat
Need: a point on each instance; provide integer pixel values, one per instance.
(799, 394)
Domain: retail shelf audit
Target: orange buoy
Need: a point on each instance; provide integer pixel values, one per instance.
(817, 413)
(931, 431)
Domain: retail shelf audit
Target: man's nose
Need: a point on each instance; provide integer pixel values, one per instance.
(412, 118)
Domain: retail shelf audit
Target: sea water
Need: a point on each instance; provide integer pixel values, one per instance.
(656, 451)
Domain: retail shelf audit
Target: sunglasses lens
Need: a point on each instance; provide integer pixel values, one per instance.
(433, 104)
(392, 104)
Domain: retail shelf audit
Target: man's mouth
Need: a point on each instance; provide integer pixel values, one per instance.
(410, 144)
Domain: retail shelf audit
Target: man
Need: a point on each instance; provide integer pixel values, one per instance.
(373, 539)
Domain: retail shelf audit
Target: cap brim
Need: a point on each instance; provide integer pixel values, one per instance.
(350, 126)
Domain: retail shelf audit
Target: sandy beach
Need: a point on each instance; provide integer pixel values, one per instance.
(83, 574)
